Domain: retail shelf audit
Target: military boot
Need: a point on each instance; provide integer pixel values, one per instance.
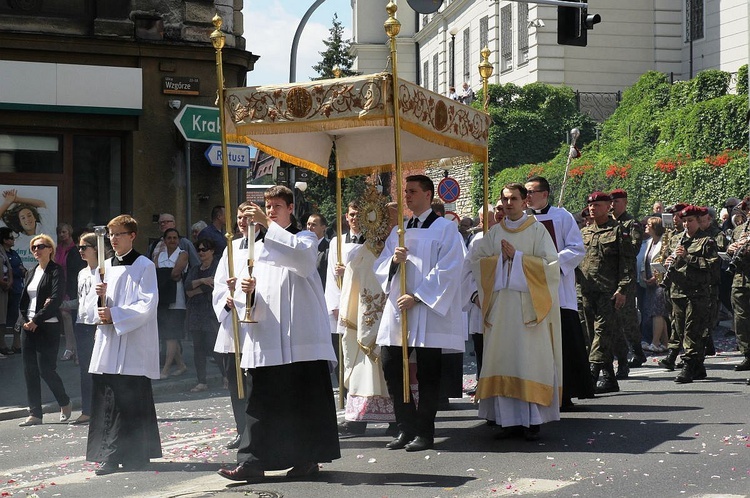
(687, 374)
(700, 371)
(623, 369)
(638, 358)
(670, 359)
(595, 369)
(608, 384)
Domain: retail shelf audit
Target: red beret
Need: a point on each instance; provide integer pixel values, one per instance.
(704, 210)
(677, 208)
(618, 194)
(691, 210)
(598, 196)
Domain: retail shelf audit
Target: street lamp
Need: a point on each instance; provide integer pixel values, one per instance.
(453, 32)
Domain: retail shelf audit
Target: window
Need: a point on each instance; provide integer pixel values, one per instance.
(506, 38)
(484, 28)
(693, 20)
(467, 55)
(435, 65)
(426, 75)
(97, 176)
(31, 153)
(523, 33)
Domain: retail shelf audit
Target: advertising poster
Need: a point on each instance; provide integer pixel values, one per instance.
(28, 211)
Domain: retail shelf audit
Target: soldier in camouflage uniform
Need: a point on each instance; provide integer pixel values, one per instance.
(605, 274)
(739, 250)
(670, 240)
(629, 330)
(689, 275)
(711, 228)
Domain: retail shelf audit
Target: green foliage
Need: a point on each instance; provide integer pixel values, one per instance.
(337, 53)
(742, 82)
(529, 124)
(685, 142)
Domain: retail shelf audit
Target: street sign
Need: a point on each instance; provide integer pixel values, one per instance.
(238, 156)
(454, 217)
(448, 189)
(199, 123)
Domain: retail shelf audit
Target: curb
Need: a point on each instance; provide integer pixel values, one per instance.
(159, 387)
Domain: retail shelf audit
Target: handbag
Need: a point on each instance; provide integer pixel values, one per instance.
(167, 287)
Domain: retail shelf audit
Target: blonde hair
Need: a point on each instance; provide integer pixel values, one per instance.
(47, 241)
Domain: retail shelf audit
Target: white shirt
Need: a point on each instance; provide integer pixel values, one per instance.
(88, 301)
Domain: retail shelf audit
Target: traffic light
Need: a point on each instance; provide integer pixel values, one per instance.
(573, 25)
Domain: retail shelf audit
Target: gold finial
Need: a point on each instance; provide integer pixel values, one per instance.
(485, 67)
(336, 71)
(392, 25)
(217, 37)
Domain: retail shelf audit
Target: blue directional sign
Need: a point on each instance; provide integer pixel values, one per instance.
(238, 156)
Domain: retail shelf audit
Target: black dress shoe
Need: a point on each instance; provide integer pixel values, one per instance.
(420, 443)
(531, 433)
(247, 472)
(235, 443)
(106, 468)
(401, 441)
(744, 366)
(352, 429)
(509, 432)
(303, 471)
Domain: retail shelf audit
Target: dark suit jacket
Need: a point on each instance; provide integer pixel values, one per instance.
(323, 259)
(52, 287)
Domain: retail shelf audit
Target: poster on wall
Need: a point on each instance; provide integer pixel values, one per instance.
(28, 211)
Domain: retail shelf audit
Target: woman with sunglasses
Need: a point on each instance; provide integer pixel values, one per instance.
(40, 336)
(87, 319)
(202, 322)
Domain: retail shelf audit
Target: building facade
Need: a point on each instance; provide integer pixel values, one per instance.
(89, 90)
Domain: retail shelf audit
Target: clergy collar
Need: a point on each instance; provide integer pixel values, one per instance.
(544, 210)
(126, 259)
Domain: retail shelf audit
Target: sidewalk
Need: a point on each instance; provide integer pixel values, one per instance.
(13, 403)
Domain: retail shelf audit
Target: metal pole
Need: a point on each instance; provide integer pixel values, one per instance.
(485, 71)
(392, 28)
(295, 41)
(218, 39)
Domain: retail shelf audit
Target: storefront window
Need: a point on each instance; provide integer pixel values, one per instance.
(30, 153)
(97, 179)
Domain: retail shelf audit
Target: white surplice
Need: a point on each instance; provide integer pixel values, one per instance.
(433, 274)
(225, 337)
(570, 252)
(521, 375)
(129, 346)
(289, 305)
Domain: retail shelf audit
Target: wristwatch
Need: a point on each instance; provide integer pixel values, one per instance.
(417, 300)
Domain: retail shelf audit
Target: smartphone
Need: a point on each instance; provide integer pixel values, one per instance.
(666, 220)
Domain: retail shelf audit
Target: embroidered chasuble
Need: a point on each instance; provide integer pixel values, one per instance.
(521, 376)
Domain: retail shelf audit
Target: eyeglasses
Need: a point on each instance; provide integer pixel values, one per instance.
(39, 247)
(203, 249)
(118, 234)
(162, 222)
(83, 247)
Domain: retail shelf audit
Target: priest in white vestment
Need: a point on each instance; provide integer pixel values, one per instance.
(516, 267)
(562, 227)
(433, 256)
(290, 414)
(123, 428)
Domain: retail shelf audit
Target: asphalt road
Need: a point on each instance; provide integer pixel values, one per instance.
(654, 438)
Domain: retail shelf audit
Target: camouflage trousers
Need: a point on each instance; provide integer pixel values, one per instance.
(689, 318)
(629, 330)
(601, 324)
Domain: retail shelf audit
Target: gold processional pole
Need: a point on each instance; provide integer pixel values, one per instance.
(339, 258)
(485, 71)
(218, 39)
(392, 28)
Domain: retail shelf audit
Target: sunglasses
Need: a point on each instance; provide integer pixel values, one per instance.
(83, 247)
(203, 249)
(39, 247)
